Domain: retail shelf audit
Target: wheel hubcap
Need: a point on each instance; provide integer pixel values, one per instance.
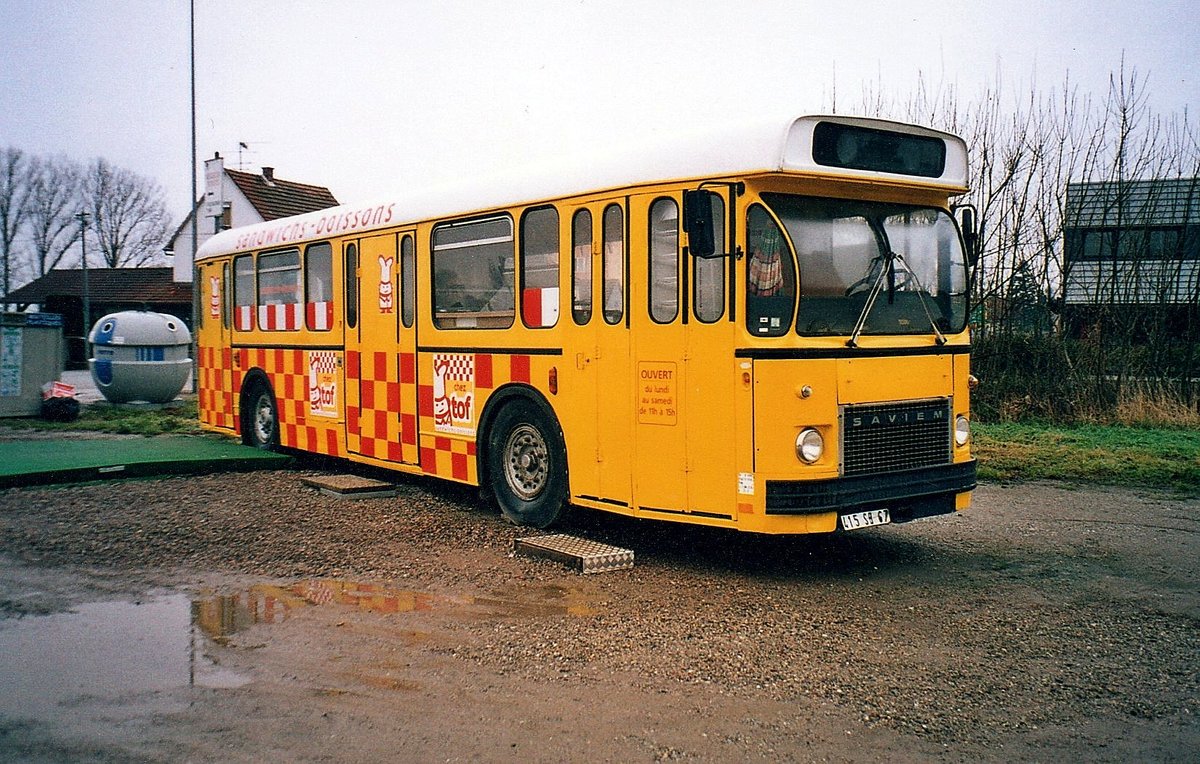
(264, 421)
(526, 462)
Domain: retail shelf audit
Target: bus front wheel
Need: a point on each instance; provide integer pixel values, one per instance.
(262, 429)
(527, 466)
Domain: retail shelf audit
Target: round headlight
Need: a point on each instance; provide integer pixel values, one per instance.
(809, 445)
(962, 430)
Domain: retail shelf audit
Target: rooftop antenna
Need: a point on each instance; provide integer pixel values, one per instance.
(244, 148)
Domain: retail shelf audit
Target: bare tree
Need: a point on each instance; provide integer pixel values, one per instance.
(14, 192)
(55, 195)
(129, 216)
(1025, 150)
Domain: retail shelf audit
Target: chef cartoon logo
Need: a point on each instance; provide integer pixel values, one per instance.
(385, 283)
(214, 296)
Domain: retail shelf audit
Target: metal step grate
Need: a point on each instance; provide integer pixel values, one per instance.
(583, 555)
(350, 486)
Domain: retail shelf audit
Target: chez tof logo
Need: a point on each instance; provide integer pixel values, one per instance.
(891, 417)
(454, 393)
(323, 383)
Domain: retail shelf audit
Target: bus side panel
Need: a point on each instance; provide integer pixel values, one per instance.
(453, 388)
(288, 371)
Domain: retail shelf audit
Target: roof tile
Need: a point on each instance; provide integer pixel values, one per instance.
(156, 285)
(277, 198)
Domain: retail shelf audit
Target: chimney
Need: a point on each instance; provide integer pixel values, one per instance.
(269, 175)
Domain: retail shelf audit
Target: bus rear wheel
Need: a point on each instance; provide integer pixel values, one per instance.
(262, 425)
(527, 466)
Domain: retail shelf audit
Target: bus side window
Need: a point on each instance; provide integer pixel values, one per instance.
(581, 278)
(243, 292)
(280, 291)
(224, 296)
(709, 273)
(408, 282)
(318, 283)
(664, 261)
(613, 265)
(473, 276)
(770, 276)
(351, 280)
(539, 268)
(201, 298)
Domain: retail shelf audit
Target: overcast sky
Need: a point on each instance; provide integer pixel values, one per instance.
(367, 96)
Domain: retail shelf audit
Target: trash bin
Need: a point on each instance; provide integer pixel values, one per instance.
(139, 355)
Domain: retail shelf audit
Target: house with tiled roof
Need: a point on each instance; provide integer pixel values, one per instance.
(109, 290)
(233, 198)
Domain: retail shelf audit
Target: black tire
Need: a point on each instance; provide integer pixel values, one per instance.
(261, 426)
(527, 465)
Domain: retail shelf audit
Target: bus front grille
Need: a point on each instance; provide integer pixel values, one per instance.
(886, 437)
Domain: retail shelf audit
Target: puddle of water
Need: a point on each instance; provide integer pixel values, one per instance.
(103, 651)
(132, 652)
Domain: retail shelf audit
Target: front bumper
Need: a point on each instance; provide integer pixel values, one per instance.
(910, 494)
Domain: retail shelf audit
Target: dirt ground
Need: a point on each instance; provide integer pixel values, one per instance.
(1046, 623)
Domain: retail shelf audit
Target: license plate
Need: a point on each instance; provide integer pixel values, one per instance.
(853, 522)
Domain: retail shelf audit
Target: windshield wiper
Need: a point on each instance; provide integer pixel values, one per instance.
(885, 263)
(888, 268)
(922, 296)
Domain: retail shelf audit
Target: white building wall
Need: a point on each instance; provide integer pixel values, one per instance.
(219, 190)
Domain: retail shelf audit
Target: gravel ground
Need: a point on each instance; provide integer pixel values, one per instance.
(1047, 622)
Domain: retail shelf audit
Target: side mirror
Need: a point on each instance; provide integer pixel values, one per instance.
(970, 233)
(698, 223)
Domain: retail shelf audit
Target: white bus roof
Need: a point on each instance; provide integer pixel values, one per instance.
(781, 145)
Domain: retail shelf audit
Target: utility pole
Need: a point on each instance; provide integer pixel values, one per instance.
(195, 210)
(82, 217)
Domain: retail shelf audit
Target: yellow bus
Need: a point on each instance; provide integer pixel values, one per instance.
(763, 330)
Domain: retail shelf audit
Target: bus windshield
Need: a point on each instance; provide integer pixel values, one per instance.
(874, 267)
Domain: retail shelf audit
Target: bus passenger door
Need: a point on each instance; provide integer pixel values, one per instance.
(598, 342)
(614, 410)
(660, 369)
(375, 401)
(713, 374)
(215, 362)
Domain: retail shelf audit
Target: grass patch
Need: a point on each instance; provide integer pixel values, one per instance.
(1105, 454)
(1108, 454)
(125, 420)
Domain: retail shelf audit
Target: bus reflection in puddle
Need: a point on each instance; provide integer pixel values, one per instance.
(220, 615)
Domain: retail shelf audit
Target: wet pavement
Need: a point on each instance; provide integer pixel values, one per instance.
(86, 391)
(103, 652)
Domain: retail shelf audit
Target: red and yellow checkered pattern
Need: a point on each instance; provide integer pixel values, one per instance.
(379, 427)
(287, 371)
(453, 456)
(215, 397)
(382, 426)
